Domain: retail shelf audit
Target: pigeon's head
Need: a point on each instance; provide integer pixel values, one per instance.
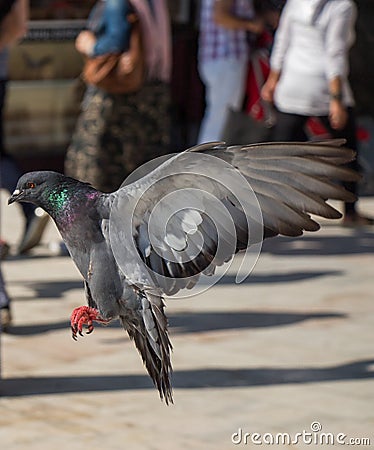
(32, 185)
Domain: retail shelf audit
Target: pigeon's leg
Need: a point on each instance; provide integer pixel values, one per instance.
(84, 315)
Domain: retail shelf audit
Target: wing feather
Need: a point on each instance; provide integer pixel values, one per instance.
(178, 233)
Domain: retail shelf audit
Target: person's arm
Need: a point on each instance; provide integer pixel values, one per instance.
(14, 25)
(339, 38)
(281, 43)
(223, 16)
(116, 36)
(117, 31)
(338, 115)
(268, 89)
(282, 38)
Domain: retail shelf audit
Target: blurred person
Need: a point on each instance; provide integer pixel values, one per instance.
(116, 133)
(309, 76)
(13, 16)
(223, 59)
(12, 21)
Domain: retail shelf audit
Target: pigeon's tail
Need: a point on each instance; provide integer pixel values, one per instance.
(150, 335)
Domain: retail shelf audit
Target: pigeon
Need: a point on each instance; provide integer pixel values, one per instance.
(161, 231)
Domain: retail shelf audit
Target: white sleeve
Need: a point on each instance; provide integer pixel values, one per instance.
(339, 38)
(282, 38)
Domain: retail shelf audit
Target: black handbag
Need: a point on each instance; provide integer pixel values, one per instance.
(241, 128)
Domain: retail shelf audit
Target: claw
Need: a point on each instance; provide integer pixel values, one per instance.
(84, 315)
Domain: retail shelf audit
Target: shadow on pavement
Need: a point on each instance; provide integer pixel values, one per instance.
(57, 289)
(52, 289)
(360, 241)
(201, 321)
(30, 330)
(187, 379)
(214, 321)
(271, 278)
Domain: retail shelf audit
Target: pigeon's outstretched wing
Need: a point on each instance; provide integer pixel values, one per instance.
(195, 210)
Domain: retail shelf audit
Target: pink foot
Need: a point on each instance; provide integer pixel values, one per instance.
(84, 315)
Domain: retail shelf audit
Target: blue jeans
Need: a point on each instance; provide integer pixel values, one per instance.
(224, 81)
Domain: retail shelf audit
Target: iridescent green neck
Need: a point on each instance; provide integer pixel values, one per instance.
(58, 199)
(68, 202)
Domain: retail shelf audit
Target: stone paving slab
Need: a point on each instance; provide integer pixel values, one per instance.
(290, 346)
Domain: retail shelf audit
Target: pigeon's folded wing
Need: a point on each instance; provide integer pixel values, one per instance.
(199, 207)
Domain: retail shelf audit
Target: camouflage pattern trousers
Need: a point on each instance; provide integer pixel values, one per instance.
(116, 133)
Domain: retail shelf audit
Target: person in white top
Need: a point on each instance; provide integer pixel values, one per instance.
(309, 75)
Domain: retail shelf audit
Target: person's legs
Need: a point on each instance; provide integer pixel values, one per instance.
(5, 314)
(224, 83)
(87, 158)
(10, 172)
(2, 101)
(4, 297)
(289, 127)
(348, 133)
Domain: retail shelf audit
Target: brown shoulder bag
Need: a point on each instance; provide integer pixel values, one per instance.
(119, 73)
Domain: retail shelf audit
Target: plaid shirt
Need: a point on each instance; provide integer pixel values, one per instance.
(218, 42)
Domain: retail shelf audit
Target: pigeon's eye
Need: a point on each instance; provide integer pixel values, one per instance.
(30, 185)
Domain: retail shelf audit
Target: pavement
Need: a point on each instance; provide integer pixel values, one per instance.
(290, 350)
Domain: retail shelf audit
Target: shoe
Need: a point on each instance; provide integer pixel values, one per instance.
(5, 319)
(355, 220)
(34, 231)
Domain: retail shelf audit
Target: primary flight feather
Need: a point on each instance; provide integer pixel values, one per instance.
(158, 234)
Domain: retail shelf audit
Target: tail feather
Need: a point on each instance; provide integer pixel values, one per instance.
(150, 335)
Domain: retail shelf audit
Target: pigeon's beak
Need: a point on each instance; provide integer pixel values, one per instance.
(16, 196)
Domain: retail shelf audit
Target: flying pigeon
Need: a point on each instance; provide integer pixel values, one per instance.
(156, 234)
